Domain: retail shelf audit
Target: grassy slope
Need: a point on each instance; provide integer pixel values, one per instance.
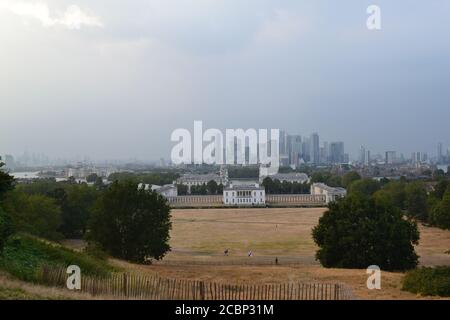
(24, 255)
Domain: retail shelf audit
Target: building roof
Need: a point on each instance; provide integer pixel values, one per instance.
(295, 176)
(328, 188)
(244, 187)
(199, 177)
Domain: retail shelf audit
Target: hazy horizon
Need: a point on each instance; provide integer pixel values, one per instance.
(112, 79)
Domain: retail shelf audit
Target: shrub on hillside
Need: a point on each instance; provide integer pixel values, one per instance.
(24, 255)
(6, 229)
(428, 281)
(34, 214)
(440, 215)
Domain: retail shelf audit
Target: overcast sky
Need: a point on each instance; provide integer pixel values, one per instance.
(113, 78)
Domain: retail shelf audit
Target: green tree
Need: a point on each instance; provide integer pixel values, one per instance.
(268, 185)
(6, 228)
(320, 176)
(335, 181)
(440, 189)
(396, 190)
(99, 183)
(349, 178)
(131, 223)
(440, 215)
(6, 181)
(416, 200)
(212, 187)
(366, 187)
(92, 177)
(35, 214)
(75, 215)
(182, 189)
(358, 231)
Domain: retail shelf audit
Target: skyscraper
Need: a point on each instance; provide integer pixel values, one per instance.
(283, 143)
(295, 149)
(306, 152)
(440, 155)
(389, 157)
(315, 149)
(362, 155)
(337, 152)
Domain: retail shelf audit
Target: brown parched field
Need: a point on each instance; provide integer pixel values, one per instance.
(200, 236)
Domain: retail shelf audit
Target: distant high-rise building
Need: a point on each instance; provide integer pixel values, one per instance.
(283, 143)
(389, 157)
(337, 152)
(9, 161)
(295, 149)
(325, 157)
(440, 154)
(315, 149)
(362, 155)
(306, 152)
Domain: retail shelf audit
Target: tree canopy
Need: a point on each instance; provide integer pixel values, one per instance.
(131, 223)
(359, 231)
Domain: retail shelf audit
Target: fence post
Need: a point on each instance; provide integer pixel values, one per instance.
(202, 290)
(125, 284)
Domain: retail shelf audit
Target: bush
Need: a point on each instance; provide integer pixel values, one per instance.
(416, 200)
(6, 229)
(364, 187)
(440, 215)
(35, 214)
(428, 281)
(24, 255)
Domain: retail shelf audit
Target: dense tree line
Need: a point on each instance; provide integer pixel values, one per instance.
(210, 188)
(285, 187)
(124, 220)
(243, 172)
(158, 178)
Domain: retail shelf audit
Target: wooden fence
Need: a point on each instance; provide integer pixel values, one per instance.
(133, 286)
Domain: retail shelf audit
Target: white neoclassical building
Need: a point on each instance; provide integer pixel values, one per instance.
(330, 193)
(167, 190)
(190, 179)
(244, 195)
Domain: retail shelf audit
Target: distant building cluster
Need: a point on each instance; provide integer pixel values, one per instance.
(282, 177)
(296, 150)
(81, 171)
(191, 180)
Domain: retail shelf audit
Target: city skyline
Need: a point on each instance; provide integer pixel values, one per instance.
(294, 149)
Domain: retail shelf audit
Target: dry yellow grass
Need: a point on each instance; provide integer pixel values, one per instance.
(200, 236)
(13, 289)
